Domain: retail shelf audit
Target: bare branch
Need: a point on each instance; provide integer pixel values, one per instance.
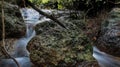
(43, 13)
(115, 3)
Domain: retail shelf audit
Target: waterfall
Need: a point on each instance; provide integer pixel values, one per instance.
(21, 50)
(105, 60)
(31, 18)
(21, 54)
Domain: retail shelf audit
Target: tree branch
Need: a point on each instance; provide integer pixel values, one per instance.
(115, 3)
(43, 13)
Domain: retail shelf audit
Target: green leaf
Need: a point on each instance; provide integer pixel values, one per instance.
(45, 1)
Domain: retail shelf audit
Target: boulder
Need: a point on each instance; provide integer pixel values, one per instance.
(109, 40)
(10, 45)
(55, 46)
(14, 24)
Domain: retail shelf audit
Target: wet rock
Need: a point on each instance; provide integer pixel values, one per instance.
(23, 61)
(14, 24)
(10, 47)
(10, 1)
(53, 44)
(88, 64)
(109, 40)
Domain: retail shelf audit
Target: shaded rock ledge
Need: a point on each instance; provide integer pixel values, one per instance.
(10, 45)
(109, 40)
(14, 24)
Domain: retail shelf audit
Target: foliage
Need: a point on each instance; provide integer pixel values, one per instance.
(89, 6)
(73, 2)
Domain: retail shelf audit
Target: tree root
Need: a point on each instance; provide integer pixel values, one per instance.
(3, 49)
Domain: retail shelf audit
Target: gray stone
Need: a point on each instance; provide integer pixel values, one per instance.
(53, 44)
(10, 45)
(14, 24)
(109, 40)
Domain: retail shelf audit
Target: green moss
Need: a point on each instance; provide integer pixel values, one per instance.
(70, 45)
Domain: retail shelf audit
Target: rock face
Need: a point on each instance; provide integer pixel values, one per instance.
(10, 47)
(109, 40)
(55, 46)
(10, 1)
(14, 24)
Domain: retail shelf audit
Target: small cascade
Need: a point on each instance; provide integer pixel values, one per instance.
(21, 50)
(105, 60)
(21, 54)
(31, 17)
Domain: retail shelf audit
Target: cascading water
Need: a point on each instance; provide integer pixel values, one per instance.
(21, 50)
(105, 60)
(31, 17)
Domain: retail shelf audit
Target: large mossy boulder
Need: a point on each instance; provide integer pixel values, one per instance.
(55, 46)
(109, 40)
(14, 24)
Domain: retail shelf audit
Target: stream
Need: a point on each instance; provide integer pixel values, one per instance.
(105, 60)
(31, 17)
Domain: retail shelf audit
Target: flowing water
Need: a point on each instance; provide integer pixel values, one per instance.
(105, 60)
(31, 17)
(23, 61)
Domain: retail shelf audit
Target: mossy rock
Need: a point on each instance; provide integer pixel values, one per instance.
(53, 44)
(14, 24)
(109, 40)
(10, 45)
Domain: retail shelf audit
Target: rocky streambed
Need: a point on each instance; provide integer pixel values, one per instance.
(54, 46)
(14, 24)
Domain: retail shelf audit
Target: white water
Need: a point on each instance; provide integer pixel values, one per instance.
(21, 54)
(31, 17)
(21, 50)
(105, 60)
